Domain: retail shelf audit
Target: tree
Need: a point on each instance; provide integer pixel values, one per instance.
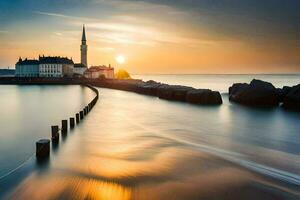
(122, 74)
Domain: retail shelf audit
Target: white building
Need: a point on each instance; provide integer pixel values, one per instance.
(27, 68)
(79, 69)
(55, 67)
(45, 67)
(95, 72)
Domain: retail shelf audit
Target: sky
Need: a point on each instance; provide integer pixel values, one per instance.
(157, 36)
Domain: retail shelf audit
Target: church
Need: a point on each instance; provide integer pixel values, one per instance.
(58, 67)
(80, 68)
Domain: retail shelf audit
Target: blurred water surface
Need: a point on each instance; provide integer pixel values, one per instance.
(27, 112)
(138, 147)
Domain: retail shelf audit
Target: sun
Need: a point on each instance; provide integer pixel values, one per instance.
(120, 59)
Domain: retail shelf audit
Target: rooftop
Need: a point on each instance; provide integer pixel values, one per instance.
(45, 60)
(99, 68)
(27, 62)
(55, 60)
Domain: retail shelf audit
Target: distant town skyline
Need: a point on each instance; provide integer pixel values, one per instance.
(152, 36)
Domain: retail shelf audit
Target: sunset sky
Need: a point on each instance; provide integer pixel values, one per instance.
(157, 36)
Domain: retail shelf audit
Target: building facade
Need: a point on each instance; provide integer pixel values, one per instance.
(45, 67)
(79, 69)
(27, 68)
(95, 72)
(56, 67)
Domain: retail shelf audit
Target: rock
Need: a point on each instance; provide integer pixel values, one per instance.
(204, 97)
(292, 99)
(257, 93)
(148, 88)
(126, 85)
(163, 91)
(236, 89)
(173, 92)
(180, 92)
(263, 85)
(283, 92)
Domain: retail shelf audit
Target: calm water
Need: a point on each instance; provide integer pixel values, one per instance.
(27, 112)
(132, 145)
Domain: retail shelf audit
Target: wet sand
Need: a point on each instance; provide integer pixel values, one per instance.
(111, 156)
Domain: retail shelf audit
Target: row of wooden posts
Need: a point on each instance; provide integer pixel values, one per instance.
(43, 145)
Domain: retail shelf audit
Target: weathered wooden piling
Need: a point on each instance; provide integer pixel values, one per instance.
(77, 118)
(64, 126)
(42, 149)
(72, 122)
(43, 145)
(81, 115)
(55, 133)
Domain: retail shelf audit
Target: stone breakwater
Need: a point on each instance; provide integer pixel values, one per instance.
(165, 91)
(261, 93)
(152, 88)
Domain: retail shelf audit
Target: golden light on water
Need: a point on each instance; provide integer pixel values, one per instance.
(123, 153)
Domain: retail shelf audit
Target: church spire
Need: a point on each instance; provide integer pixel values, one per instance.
(83, 48)
(83, 35)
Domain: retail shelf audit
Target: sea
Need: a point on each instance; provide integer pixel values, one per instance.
(140, 129)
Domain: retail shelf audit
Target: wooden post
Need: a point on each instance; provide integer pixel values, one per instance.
(42, 149)
(77, 118)
(72, 122)
(55, 133)
(64, 126)
(81, 115)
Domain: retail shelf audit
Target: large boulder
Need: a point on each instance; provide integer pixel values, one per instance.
(257, 93)
(204, 97)
(282, 92)
(292, 99)
(173, 92)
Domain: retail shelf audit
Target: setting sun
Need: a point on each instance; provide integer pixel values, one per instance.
(120, 59)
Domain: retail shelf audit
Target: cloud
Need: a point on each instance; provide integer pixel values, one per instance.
(246, 19)
(63, 16)
(115, 32)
